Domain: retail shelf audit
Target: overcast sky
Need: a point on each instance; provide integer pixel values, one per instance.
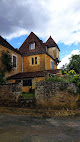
(58, 18)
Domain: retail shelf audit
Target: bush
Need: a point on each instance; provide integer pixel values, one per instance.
(76, 79)
(72, 72)
(55, 79)
(31, 90)
(2, 76)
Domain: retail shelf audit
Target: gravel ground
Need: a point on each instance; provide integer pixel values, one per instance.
(23, 128)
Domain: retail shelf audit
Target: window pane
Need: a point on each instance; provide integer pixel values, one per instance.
(32, 46)
(30, 82)
(27, 82)
(14, 61)
(35, 60)
(52, 65)
(32, 61)
(24, 82)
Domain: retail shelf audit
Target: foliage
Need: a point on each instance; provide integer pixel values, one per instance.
(69, 78)
(71, 91)
(72, 72)
(55, 79)
(76, 79)
(6, 61)
(2, 76)
(6, 65)
(74, 64)
(64, 69)
(31, 90)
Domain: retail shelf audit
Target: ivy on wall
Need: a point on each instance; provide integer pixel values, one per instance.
(6, 65)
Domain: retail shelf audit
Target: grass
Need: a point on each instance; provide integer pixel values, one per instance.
(39, 112)
(28, 95)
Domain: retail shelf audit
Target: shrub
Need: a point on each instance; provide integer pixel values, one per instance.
(72, 72)
(2, 76)
(76, 80)
(55, 79)
(31, 90)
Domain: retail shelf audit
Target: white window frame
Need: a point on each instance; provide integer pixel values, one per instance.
(32, 46)
(46, 49)
(51, 64)
(16, 60)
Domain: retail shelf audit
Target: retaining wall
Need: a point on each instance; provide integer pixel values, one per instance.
(9, 93)
(56, 95)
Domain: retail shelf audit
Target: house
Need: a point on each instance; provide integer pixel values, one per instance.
(16, 56)
(38, 59)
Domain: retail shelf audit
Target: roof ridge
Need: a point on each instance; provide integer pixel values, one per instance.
(48, 42)
(51, 39)
(4, 41)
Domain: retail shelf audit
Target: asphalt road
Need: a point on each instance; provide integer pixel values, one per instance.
(18, 128)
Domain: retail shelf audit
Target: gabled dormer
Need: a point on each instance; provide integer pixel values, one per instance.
(53, 48)
(32, 45)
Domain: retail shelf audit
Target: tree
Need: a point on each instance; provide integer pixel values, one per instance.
(74, 63)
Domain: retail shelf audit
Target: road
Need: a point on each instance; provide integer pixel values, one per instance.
(22, 128)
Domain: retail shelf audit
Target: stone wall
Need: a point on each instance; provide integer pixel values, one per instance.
(9, 93)
(56, 95)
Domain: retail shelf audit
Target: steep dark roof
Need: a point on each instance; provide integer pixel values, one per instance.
(24, 49)
(23, 75)
(51, 43)
(4, 43)
(40, 47)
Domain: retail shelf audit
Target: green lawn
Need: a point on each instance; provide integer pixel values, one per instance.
(28, 95)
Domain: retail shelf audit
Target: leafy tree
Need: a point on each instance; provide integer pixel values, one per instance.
(74, 63)
(6, 61)
(64, 70)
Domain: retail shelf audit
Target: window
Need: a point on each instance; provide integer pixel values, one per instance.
(32, 61)
(52, 65)
(27, 82)
(32, 46)
(35, 60)
(14, 60)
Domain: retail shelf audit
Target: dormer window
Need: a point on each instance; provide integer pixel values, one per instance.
(32, 46)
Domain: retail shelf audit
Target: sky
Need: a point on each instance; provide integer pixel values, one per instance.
(58, 18)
